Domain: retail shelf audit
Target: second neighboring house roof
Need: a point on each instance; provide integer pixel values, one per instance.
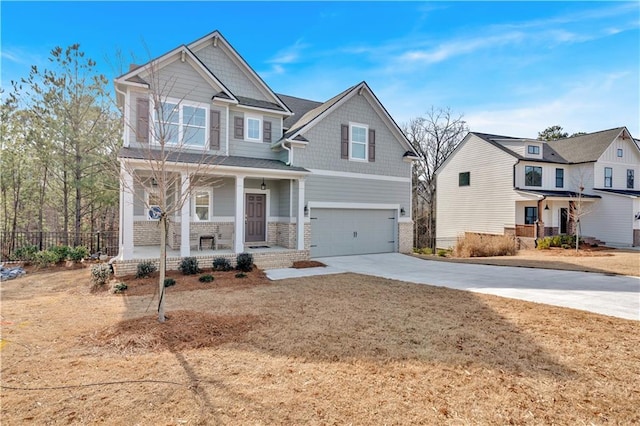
(585, 148)
(298, 106)
(562, 194)
(629, 192)
(208, 159)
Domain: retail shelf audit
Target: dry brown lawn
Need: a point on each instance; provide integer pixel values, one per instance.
(339, 349)
(603, 260)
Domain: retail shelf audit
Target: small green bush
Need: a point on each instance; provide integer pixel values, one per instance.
(119, 288)
(168, 282)
(566, 246)
(145, 269)
(207, 278)
(442, 252)
(100, 273)
(424, 250)
(46, 258)
(189, 266)
(78, 253)
(569, 240)
(221, 264)
(241, 275)
(556, 240)
(25, 253)
(244, 262)
(61, 252)
(544, 243)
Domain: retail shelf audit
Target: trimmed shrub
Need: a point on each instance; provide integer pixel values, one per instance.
(424, 250)
(221, 264)
(189, 266)
(46, 258)
(207, 278)
(25, 253)
(168, 282)
(241, 275)
(119, 288)
(100, 273)
(145, 269)
(244, 262)
(61, 252)
(482, 245)
(544, 243)
(443, 252)
(78, 253)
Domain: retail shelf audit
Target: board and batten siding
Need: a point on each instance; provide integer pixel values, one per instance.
(610, 219)
(230, 73)
(630, 160)
(487, 205)
(324, 148)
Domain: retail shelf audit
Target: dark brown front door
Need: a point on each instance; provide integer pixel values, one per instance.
(255, 209)
(564, 220)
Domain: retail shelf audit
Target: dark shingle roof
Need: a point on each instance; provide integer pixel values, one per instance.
(630, 192)
(585, 148)
(563, 194)
(243, 100)
(298, 106)
(208, 159)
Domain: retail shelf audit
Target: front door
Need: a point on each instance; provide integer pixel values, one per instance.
(255, 208)
(564, 220)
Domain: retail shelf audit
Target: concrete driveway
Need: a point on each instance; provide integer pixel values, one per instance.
(618, 296)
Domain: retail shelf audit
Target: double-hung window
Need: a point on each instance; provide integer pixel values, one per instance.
(559, 178)
(181, 123)
(358, 135)
(608, 177)
(202, 204)
(532, 176)
(253, 128)
(630, 178)
(530, 215)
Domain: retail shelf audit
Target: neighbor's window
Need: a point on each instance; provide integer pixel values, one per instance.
(202, 204)
(530, 215)
(464, 179)
(532, 176)
(608, 177)
(253, 126)
(181, 123)
(533, 149)
(358, 142)
(619, 152)
(559, 178)
(630, 180)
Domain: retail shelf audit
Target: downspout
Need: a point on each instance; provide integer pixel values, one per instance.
(289, 151)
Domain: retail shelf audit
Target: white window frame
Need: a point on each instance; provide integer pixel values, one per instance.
(366, 142)
(248, 117)
(195, 191)
(619, 153)
(181, 104)
(609, 178)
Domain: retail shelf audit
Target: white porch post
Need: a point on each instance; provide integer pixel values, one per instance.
(185, 249)
(239, 226)
(300, 215)
(126, 214)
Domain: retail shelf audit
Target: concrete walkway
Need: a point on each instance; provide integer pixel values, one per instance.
(618, 296)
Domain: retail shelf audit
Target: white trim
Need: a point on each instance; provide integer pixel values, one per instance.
(366, 142)
(226, 134)
(257, 118)
(352, 175)
(340, 205)
(181, 103)
(194, 215)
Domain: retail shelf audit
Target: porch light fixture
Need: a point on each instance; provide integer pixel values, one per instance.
(546, 206)
(306, 210)
(263, 186)
(154, 182)
(402, 212)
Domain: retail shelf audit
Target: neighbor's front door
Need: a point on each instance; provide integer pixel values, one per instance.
(564, 219)
(255, 208)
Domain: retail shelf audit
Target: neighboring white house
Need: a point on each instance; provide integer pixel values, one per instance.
(284, 178)
(530, 188)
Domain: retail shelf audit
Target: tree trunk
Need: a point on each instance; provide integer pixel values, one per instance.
(163, 265)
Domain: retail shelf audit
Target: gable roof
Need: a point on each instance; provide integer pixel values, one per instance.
(298, 106)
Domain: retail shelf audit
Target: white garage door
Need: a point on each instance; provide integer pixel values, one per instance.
(339, 232)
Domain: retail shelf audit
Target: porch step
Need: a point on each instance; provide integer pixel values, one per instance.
(591, 240)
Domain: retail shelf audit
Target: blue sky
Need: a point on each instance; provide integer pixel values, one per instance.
(510, 68)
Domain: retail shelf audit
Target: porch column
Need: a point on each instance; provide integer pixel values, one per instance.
(126, 214)
(238, 244)
(185, 249)
(300, 215)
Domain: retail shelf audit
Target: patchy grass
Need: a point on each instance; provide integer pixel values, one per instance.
(331, 349)
(484, 245)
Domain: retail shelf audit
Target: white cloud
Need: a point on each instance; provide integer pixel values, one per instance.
(290, 54)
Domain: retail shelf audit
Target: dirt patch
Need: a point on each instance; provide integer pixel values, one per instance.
(336, 349)
(300, 264)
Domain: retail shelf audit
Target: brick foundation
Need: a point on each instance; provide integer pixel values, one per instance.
(636, 237)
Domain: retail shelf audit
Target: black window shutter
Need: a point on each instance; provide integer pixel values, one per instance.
(142, 120)
(266, 131)
(344, 143)
(372, 145)
(238, 127)
(214, 130)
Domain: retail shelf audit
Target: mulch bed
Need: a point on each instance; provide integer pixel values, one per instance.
(300, 264)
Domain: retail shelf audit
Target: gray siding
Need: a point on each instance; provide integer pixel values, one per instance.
(243, 148)
(228, 72)
(224, 197)
(343, 190)
(179, 80)
(323, 150)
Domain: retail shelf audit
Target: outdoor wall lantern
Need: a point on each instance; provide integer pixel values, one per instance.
(306, 210)
(546, 207)
(402, 212)
(263, 186)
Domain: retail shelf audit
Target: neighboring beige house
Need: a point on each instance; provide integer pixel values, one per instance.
(506, 185)
(285, 178)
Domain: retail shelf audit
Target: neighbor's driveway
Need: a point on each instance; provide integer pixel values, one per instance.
(617, 296)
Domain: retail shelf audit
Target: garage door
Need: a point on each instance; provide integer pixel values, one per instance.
(339, 232)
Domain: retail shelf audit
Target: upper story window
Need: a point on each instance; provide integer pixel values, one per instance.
(202, 203)
(608, 177)
(532, 176)
(533, 149)
(253, 128)
(559, 178)
(358, 142)
(619, 152)
(181, 123)
(464, 179)
(630, 178)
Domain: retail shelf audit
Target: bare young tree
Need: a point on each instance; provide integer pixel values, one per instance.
(433, 137)
(578, 207)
